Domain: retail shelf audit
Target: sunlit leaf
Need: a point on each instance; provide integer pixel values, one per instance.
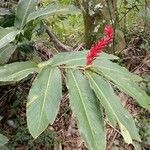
(3, 140)
(43, 100)
(23, 9)
(76, 58)
(6, 52)
(17, 71)
(125, 82)
(113, 68)
(52, 10)
(113, 107)
(7, 35)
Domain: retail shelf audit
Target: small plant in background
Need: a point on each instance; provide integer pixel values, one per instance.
(91, 78)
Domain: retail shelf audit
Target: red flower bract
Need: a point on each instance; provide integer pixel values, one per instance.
(98, 47)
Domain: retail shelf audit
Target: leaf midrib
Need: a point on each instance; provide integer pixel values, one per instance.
(102, 94)
(45, 94)
(125, 89)
(5, 49)
(81, 97)
(64, 62)
(121, 122)
(31, 16)
(7, 35)
(15, 74)
(116, 115)
(110, 69)
(11, 34)
(24, 17)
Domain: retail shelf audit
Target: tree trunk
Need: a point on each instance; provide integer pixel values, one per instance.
(88, 30)
(90, 15)
(94, 12)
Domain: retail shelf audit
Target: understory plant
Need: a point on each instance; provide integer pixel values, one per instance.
(16, 30)
(92, 77)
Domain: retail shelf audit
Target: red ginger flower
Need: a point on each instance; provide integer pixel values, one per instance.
(98, 47)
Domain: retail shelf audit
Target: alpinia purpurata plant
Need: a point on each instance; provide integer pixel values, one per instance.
(91, 89)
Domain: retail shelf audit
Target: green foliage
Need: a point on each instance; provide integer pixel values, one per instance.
(113, 107)
(3, 140)
(133, 12)
(17, 71)
(144, 131)
(87, 110)
(21, 30)
(6, 53)
(91, 88)
(7, 35)
(22, 138)
(74, 59)
(43, 103)
(68, 28)
(125, 82)
(51, 10)
(26, 141)
(83, 82)
(24, 8)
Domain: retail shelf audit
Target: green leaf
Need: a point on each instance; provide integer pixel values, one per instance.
(24, 8)
(104, 96)
(7, 35)
(3, 140)
(6, 52)
(75, 58)
(43, 100)
(51, 10)
(69, 58)
(113, 68)
(87, 110)
(17, 71)
(125, 83)
(4, 148)
(133, 90)
(113, 107)
(107, 56)
(125, 133)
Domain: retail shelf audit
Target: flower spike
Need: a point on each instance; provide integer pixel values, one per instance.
(98, 47)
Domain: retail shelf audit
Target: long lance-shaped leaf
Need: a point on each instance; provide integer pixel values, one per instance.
(3, 140)
(76, 58)
(114, 68)
(104, 100)
(43, 100)
(87, 110)
(17, 71)
(113, 107)
(125, 84)
(51, 10)
(6, 52)
(7, 35)
(24, 8)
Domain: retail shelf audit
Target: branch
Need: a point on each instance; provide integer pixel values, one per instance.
(57, 44)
